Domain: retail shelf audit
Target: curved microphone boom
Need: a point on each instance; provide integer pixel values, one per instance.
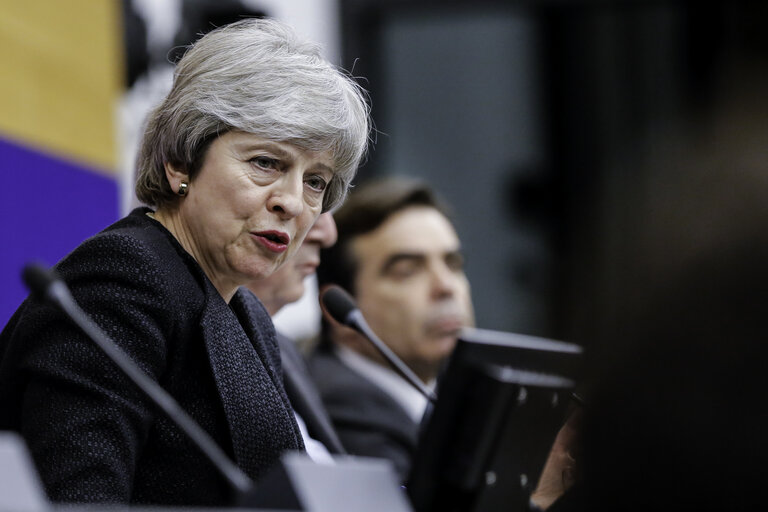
(342, 308)
(44, 283)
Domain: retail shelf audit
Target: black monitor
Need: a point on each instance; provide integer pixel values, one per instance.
(502, 399)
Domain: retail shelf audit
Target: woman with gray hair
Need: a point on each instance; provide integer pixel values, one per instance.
(257, 137)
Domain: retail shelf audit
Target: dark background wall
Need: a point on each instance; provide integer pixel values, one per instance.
(568, 135)
(554, 128)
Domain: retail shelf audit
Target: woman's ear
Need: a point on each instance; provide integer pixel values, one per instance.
(175, 176)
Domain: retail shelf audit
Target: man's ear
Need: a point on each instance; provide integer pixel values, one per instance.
(340, 333)
(326, 315)
(175, 175)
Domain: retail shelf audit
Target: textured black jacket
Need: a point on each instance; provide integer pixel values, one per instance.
(91, 434)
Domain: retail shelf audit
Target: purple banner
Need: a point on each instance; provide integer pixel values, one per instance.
(47, 207)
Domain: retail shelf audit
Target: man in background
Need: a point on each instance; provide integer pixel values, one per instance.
(400, 257)
(285, 286)
(414, 304)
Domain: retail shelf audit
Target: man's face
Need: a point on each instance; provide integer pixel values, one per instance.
(411, 288)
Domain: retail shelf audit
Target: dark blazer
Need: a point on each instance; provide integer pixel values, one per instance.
(93, 437)
(304, 397)
(368, 420)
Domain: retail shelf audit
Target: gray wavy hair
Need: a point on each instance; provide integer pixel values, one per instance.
(256, 76)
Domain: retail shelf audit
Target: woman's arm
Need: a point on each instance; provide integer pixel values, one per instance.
(84, 422)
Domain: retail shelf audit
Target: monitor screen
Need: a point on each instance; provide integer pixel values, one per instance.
(501, 400)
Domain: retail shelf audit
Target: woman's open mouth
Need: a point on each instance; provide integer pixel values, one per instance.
(275, 241)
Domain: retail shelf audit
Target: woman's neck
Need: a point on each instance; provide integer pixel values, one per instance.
(172, 221)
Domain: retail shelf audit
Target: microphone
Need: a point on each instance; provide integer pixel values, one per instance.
(342, 308)
(45, 283)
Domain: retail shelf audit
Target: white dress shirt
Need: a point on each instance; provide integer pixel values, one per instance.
(315, 449)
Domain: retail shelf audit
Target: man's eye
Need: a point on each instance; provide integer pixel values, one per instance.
(455, 262)
(264, 162)
(403, 269)
(316, 183)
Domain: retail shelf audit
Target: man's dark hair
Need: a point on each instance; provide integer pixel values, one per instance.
(367, 208)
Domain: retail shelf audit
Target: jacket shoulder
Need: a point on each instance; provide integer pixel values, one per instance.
(137, 254)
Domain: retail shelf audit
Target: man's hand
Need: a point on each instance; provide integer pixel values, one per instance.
(559, 471)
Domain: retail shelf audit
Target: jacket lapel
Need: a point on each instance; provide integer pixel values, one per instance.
(260, 421)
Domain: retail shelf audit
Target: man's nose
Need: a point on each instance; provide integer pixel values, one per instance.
(323, 232)
(444, 280)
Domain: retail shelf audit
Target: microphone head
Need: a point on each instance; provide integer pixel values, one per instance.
(38, 278)
(338, 303)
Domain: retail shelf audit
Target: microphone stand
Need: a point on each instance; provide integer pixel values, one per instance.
(342, 307)
(397, 364)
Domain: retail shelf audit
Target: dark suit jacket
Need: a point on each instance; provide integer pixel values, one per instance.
(304, 397)
(93, 437)
(368, 420)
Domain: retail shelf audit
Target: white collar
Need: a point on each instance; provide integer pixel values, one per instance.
(396, 386)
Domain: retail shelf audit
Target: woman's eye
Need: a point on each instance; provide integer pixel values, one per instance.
(264, 162)
(316, 183)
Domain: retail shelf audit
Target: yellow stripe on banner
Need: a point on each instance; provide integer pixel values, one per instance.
(62, 69)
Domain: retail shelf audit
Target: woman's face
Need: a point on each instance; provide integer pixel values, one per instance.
(250, 206)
